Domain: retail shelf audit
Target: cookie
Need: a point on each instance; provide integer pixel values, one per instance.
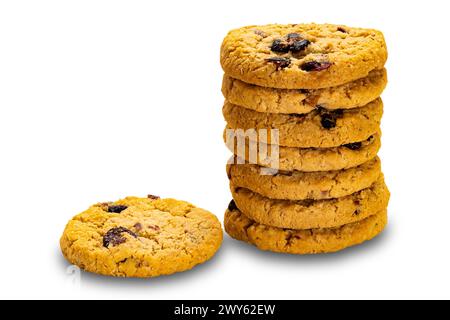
(308, 159)
(141, 237)
(347, 96)
(318, 129)
(313, 241)
(311, 214)
(302, 56)
(297, 185)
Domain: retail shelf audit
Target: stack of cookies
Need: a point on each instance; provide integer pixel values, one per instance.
(307, 98)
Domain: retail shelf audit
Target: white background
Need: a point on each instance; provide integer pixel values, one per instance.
(103, 99)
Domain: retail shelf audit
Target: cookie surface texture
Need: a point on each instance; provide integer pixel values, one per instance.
(297, 185)
(302, 56)
(317, 129)
(314, 241)
(351, 95)
(312, 214)
(306, 159)
(141, 237)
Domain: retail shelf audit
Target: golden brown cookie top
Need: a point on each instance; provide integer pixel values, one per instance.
(320, 128)
(302, 56)
(353, 94)
(157, 236)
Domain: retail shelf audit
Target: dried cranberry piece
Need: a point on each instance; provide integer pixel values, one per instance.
(114, 236)
(315, 66)
(328, 118)
(338, 113)
(294, 42)
(280, 46)
(341, 29)
(154, 227)
(328, 121)
(293, 37)
(354, 146)
(152, 197)
(116, 209)
(299, 46)
(280, 62)
(232, 206)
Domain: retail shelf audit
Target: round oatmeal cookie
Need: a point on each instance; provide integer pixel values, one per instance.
(312, 214)
(305, 159)
(313, 241)
(318, 129)
(297, 185)
(141, 237)
(302, 56)
(347, 96)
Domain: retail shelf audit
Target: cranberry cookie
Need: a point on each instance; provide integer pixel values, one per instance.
(302, 56)
(311, 214)
(310, 159)
(318, 129)
(313, 241)
(351, 95)
(141, 237)
(297, 185)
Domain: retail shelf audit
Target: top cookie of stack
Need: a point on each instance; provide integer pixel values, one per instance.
(319, 86)
(302, 56)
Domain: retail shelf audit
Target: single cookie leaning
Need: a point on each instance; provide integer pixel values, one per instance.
(304, 159)
(317, 129)
(297, 185)
(312, 214)
(141, 237)
(312, 241)
(302, 56)
(351, 95)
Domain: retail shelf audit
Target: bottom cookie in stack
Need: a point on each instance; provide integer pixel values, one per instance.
(307, 226)
(312, 241)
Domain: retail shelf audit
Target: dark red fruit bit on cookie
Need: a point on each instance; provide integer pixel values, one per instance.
(154, 227)
(315, 66)
(299, 46)
(293, 37)
(232, 206)
(279, 62)
(339, 113)
(328, 121)
(354, 146)
(280, 46)
(114, 236)
(341, 29)
(328, 118)
(152, 197)
(116, 209)
(293, 42)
